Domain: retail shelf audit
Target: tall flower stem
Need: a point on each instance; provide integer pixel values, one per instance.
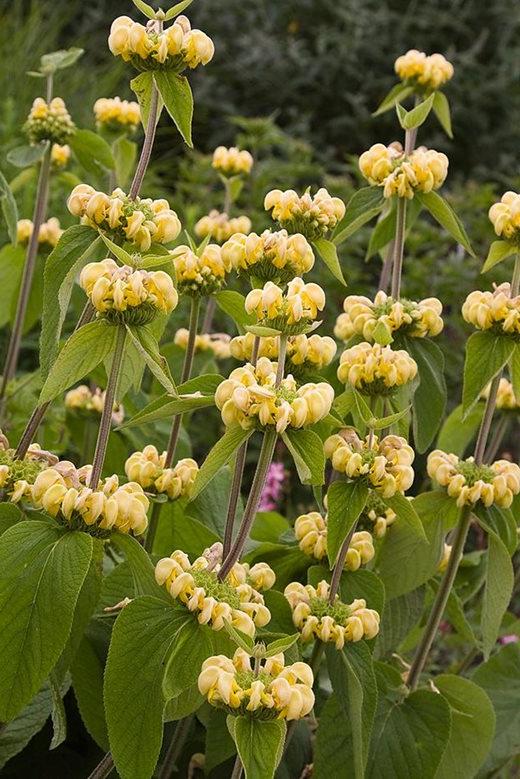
(177, 421)
(108, 407)
(40, 208)
(397, 270)
(441, 599)
(104, 768)
(180, 735)
(237, 769)
(238, 474)
(146, 150)
(339, 565)
(485, 425)
(496, 440)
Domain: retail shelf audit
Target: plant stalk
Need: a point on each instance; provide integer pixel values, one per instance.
(237, 769)
(108, 406)
(146, 150)
(496, 440)
(397, 270)
(180, 735)
(40, 208)
(104, 768)
(485, 425)
(339, 565)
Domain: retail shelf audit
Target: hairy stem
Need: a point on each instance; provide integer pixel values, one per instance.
(496, 440)
(40, 208)
(209, 314)
(237, 769)
(485, 425)
(441, 599)
(386, 270)
(146, 150)
(339, 565)
(397, 269)
(108, 406)
(104, 768)
(180, 735)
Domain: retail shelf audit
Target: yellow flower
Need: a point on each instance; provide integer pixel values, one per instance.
(174, 48)
(337, 622)
(202, 340)
(374, 369)
(220, 227)
(311, 532)
(147, 468)
(384, 464)
(362, 316)
(422, 170)
(274, 689)
(49, 233)
(200, 275)
(299, 303)
(495, 484)
(138, 294)
(271, 255)
(313, 216)
(140, 221)
(60, 155)
(232, 161)
(88, 401)
(505, 216)
(235, 600)
(496, 310)
(430, 72)
(379, 516)
(249, 398)
(506, 398)
(116, 114)
(49, 122)
(304, 353)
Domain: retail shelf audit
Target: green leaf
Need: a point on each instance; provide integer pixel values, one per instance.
(219, 745)
(406, 514)
(42, 570)
(92, 151)
(166, 407)
(429, 400)
(146, 9)
(119, 253)
(499, 677)
(411, 738)
(219, 456)
(259, 744)
(329, 254)
(125, 154)
(353, 584)
(458, 430)
(232, 303)
(306, 448)
(498, 251)
(77, 246)
(59, 718)
(501, 521)
(142, 640)
(497, 591)
(281, 644)
(514, 370)
(176, 93)
(16, 734)
(346, 501)
(9, 209)
(354, 683)
(441, 109)
(486, 355)
(147, 346)
(143, 86)
(84, 351)
(184, 704)
(87, 681)
(397, 94)
(12, 259)
(443, 213)
(193, 645)
(242, 640)
(472, 727)
(61, 59)
(410, 120)
(361, 208)
(10, 514)
(262, 331)
(400, 615)
(143, 571)
(382, 234)
(23, 156)
(177, 9)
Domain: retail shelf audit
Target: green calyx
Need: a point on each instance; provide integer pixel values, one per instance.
(26, 470)
(136, 315)
(214, 588)
(339, 611)
(308, 227)
(473, 472)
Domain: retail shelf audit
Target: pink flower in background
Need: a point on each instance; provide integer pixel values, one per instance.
(273, 488)
(511, 639)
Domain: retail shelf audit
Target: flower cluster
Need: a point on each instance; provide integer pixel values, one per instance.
(232, 161)
(429, 72)
(304, 353)
(122, 293)
(60, 155)
(49, 122)
(149, 48)
(61, 491)
(49, 233)
(236, 600)
(495, 310)
(336, 622)
(138, 221)
(506, 399)
(86, 401)
(220, 227)
(16, 474)
(270, 255)
(505, 216)
(311, 533)
(147, 468)
(286, 311)
(377, 516)
(402, 174)
(112, 113)
(249, 397)
(374, 369)
(470, 483)
(274, 690)
(380, 318)
(199, 275)
(218, 343)
(311, 215)
(385, 464)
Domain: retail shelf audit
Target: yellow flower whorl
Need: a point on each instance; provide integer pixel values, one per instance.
(219, 227)
(313, 216)
(49, 233)
(495, 310)
(374, 369)
(147, 468)
(506, 399)
(231, 161)
(469, 483)
(113, 113)
(304, 353)
(311, 533)
(270, 255)
(430, 72)
(399, 174)
(49, 122)
(286, 311)
(88, 401)
(505, 216)
(60, 155)
(200, 275)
